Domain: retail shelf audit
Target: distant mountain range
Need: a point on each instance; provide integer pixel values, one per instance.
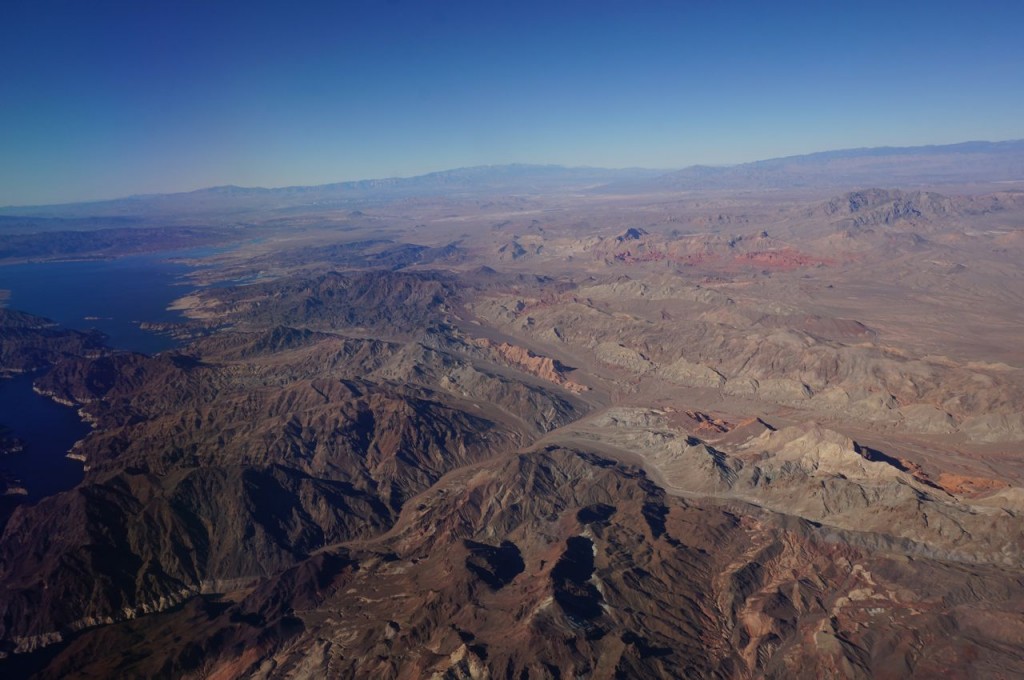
(967, 162)
(460, 182)
(849, 168)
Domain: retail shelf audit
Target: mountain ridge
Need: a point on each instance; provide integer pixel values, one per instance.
(532, 177)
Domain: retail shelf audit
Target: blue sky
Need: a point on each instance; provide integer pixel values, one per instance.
(101, 99)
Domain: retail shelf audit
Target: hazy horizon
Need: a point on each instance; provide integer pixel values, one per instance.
(524, 164)
(113, 99)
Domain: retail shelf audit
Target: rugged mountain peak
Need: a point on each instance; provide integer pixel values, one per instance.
(631, 234)
(882, 207)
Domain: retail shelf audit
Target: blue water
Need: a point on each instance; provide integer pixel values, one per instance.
(109, 295)
(48, 430)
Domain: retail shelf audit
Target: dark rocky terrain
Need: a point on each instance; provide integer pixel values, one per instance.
(30, 343)
(528, 432)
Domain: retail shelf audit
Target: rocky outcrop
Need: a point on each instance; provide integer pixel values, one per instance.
(618, 354)
(545, 368)
(689, 373)
(880, 207)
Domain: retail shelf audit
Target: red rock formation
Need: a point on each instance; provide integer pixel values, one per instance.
(542, 367)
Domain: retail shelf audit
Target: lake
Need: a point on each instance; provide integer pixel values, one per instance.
(48, 431)
(109, 295)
